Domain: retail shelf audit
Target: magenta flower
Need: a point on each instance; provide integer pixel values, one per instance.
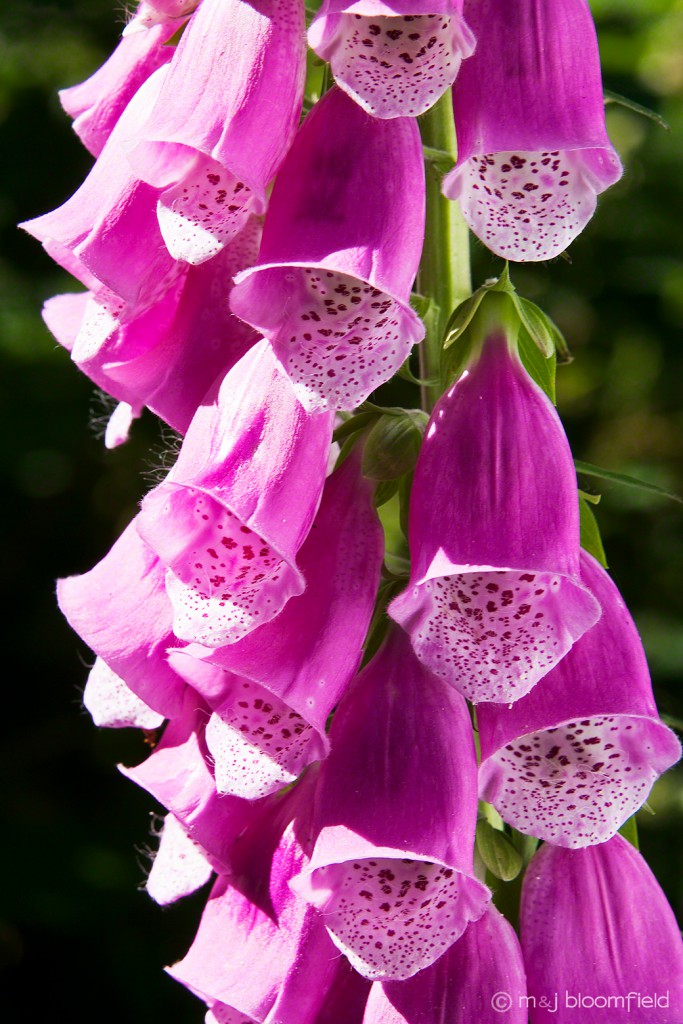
(494, 599)
(121, 610)
(179, 867)
(463, 985)
(533, 152)
(167, 358)
(113, 705)
(577, 756)
(272, 692)
(394, 60)
(341, 246)
(229, 519)
(395, 811)
(224, 120)
(97, 104)
(107, 235)
(595, 924)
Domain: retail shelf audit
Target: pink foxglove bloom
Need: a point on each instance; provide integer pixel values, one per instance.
(179, 774)
(113, 705)
(394, 59)
(97, 104)
(596, 926)
(533, 152)
(272, 692)
(107, 235)
(341, 246)
(179, 867)
(121, 610)
(167, 358)
(494, 599)
(464, 986)
(395, 812)
(577, 756)
(224, 120)
(261, 951)
(229, 519)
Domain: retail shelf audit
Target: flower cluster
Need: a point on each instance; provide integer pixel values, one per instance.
(248, 279)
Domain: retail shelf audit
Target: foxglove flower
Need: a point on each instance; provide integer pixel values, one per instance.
(180, 867)
(178, 773)
(577, 756)
(394, 60)
(464, 985)
(224, 120)
(113, 705)
(121, 610)
(261, 951)
(272, 692)
(167, 358)
(229, 519)
(341, 246)
(107, 235)
(596, 926)
(533, 152)
(494, 599)
(395, 812)
(97, 104)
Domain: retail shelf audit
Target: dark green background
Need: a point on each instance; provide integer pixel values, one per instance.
(77, 938)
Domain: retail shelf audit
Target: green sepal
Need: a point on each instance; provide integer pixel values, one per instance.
(497, 852)
(587, 469)
(629, 830)
(384, 492)
(354, 424)
(525, 845)
(540, 369)
(591, 541)
(637, 108)
(393, 444)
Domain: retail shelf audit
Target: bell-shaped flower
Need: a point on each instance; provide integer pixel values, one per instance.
(494, 599)
(107, 234)
(261, 952)
(479, 980)
(272, 692)
(601, 944)
(167, 358)
(341, 246)
(533, 151)
(121, 610)
(577, 756)
(224, 120)
(395, 812)
(97, 104)
(179, 774)
(113, 705)
(393, 59)
(179, 866)
(230, 517)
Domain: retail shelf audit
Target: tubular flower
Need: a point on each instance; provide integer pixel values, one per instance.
(341, 246)
(576, 757)
(272, 692)
(107, 235)
(463, 984)
(167, 358)
(597, 930)
(393, 59)
(97, 104)
(394, 816)
(120, 609)
(495, 599)
(261, 951)
(533, 152)
(230, 517)
(224, 120)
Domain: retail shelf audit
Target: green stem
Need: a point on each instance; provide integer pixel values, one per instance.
(444, 274)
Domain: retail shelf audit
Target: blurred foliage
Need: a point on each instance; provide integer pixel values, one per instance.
(71, 858)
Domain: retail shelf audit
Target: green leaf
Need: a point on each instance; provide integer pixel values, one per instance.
(461, 318)
(497, 852)
(591, 540)
(621, 478)
(638, 108)
(393, 444)
(385, 491)
(421, 304)
(629, 830)
(539, 368)
(354, 424)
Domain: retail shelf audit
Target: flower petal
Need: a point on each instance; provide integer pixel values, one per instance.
(179, 867)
